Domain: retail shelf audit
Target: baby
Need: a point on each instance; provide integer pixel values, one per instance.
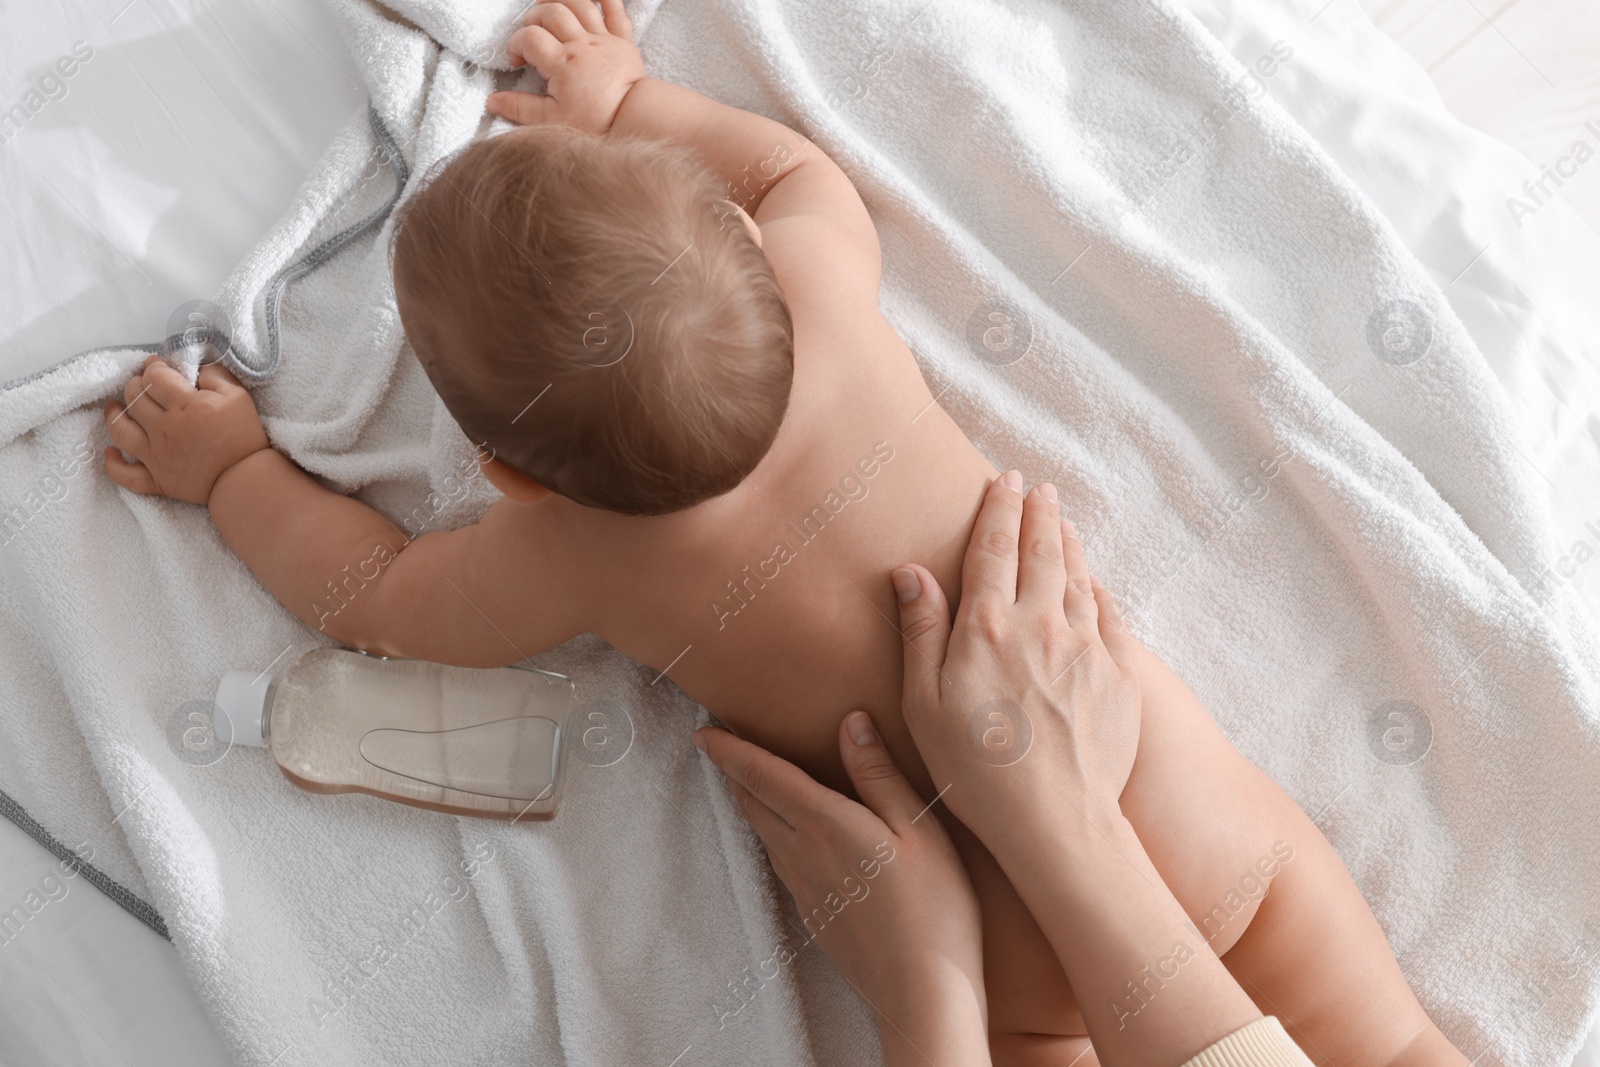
(658, 318)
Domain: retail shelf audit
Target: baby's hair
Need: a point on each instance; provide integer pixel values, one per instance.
(596, 276)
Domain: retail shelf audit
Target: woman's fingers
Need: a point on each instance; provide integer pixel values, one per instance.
(1113, 630)
(1079, 600)
(925, 628)
(879, 782)
(1041, 581)
(587, 14)
(989, 573)
(778, 784)
(617, 20)
(768, 824)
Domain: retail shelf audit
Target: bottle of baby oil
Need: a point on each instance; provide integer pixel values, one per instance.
(488, 743)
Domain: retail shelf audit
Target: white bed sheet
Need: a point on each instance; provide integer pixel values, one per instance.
(167, 155)
(175, 145)
(137, 184)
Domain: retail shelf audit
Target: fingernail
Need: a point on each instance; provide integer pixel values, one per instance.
(858, 724)
(907, 585)
(1012, 480)
(1069, 529)
(1048, 491)
(699, 741)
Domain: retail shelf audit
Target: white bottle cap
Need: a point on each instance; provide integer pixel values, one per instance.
(240, 717)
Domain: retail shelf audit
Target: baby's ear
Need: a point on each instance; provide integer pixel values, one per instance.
(516, 486)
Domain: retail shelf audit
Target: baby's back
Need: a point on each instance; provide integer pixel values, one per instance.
(771, 605)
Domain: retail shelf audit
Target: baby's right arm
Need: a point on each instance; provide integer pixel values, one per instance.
(794, 192)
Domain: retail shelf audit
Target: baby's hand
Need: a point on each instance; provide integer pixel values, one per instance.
(183, 437)
(586, 58)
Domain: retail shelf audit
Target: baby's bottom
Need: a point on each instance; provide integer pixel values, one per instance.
(1260, 883)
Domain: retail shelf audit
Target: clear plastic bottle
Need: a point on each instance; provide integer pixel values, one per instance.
(489, 743)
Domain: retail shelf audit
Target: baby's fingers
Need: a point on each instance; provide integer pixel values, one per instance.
(524, 109)
(215, 377)
(166, 386)
(617, 20)
(588, 15)
(536, 47)
(137, 391)
(135, 476)
(556, 17)
(125, 433)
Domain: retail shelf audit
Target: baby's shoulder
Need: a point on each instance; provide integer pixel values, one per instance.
(823, 273)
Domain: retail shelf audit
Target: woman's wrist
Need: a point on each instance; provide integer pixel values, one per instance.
(935, 1014)
(1116, 927)
(1059, 821)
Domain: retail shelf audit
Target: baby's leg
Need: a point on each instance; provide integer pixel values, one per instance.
(1263, 887)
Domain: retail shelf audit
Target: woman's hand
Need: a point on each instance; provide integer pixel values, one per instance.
(586, 57)
(1027, 713)
(878, 886)
(1029, 703)
(183, 436)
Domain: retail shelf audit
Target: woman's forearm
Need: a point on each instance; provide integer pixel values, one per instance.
(1151, 990)
(935, 1017)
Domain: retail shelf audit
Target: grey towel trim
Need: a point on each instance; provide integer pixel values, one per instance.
(321, 254)
(96, 877)
(246, 366)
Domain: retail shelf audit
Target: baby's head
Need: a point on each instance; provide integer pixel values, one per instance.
(610, 280)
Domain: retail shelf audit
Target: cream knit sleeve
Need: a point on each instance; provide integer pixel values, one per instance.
(1263, 1043)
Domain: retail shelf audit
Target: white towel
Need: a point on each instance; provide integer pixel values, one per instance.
(1124, 268)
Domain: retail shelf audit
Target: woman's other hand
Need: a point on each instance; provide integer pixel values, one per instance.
(878, 886)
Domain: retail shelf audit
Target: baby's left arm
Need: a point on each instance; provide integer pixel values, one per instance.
(481, 596)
